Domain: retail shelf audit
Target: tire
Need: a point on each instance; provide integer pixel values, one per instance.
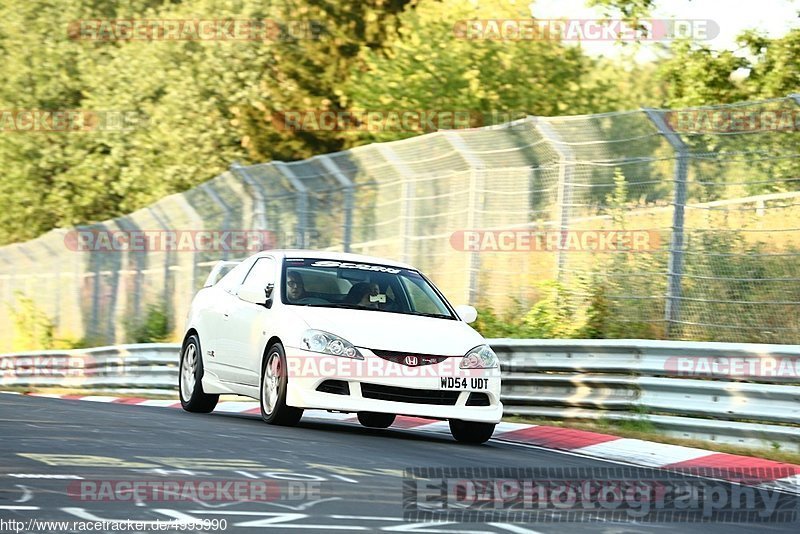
(376, 420)
(471, 432)
(274, 383)
(190, 385)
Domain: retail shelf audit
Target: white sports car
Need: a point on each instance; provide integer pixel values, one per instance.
(301, 329)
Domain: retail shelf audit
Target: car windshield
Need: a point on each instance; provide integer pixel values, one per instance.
(356, 285)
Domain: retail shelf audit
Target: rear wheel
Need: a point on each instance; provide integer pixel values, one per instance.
(274, 383)
(376, 420)
(471, 432)
(190, 385)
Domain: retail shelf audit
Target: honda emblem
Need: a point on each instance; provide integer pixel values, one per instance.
(411, 360)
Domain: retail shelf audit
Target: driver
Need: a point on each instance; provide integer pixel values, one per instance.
(295, 289)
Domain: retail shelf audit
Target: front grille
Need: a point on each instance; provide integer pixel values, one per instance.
(400, 357)
(415, 396)
(478, 399)
(337, 387)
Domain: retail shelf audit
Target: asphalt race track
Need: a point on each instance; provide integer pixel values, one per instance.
(340, 477)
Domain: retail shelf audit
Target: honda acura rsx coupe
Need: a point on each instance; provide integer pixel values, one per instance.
(300, 329)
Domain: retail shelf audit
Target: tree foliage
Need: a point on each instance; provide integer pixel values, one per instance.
(207, 104)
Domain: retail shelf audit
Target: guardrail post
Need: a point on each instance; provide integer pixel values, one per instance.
(672, 306)
(565, 182)
(347, 186)
(301, 205)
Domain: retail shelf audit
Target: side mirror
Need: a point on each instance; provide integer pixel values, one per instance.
(268, 295)
(468, 314)
(256, 296)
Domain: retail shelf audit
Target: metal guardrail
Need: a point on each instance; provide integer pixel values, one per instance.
(743, 394)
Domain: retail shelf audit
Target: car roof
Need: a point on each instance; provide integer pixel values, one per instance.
(328, 255)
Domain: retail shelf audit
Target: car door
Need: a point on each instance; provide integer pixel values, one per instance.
(247, 327)
(215, 316)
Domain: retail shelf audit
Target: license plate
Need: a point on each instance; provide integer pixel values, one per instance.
(463, 383)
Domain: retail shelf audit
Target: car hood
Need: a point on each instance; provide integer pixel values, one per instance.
(393, 331)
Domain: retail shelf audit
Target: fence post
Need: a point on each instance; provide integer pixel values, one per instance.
(565, 182)
(208, 190)
(259, 221)
(407, 209)
(672, 306)
(476, 181)
(301, 205)
(347, 186)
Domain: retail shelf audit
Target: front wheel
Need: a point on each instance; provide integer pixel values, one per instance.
(376, 420)
(471, 432)
(190, 385)
(274, 382)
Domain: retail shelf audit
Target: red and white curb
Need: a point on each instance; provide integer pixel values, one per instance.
(766, 473)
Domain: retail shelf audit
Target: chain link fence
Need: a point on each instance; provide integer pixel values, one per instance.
(711, 197)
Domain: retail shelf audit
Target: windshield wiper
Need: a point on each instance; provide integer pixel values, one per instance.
(435, 315)
(344, 305)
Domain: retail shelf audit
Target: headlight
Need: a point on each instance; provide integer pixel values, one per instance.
(327, 343)
(481, 357)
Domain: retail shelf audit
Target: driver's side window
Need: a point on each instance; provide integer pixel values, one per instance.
(261, 274)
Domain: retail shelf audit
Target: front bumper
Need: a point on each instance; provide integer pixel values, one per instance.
(308, 370)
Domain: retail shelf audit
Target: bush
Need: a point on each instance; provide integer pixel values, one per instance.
(35, 330)
(152, 328)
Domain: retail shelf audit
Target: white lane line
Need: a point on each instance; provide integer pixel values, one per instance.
(345, 479)
(44, 475)
(514, 528)
(5, 507)
(26, 495)
(366, 517)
